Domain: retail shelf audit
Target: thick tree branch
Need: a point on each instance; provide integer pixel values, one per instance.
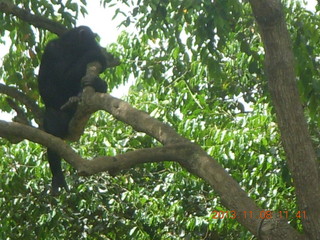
(85, 107)
(139, 120)
(9, 130)
(176, 152)
(127, 160)
(301, 157)
(189, 155)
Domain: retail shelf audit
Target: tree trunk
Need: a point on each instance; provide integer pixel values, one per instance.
(296, 140)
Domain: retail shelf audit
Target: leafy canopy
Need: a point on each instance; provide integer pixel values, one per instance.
(196, 65)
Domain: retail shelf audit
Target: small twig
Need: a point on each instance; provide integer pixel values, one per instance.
(25, 100)
(21, 115)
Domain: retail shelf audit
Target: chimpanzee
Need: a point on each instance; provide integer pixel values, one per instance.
(63, 65)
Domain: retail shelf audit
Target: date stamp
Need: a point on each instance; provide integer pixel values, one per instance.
(265, 214)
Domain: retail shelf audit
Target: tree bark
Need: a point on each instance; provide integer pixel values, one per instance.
(176, 148)
(296, 140)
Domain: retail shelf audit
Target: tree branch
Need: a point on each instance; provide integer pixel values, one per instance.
(24, 99)
(37, 21)
(85, 105)
(13, 129)
(21, 115)
(176, 148)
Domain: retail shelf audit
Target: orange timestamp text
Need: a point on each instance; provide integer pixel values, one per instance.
(265, 214)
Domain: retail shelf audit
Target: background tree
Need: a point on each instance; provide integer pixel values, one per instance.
(198, 66)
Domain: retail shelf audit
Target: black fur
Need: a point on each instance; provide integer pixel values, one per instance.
(63, 64)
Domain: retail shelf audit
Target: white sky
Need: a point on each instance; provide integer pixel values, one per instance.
(311, 5)
(99, 19)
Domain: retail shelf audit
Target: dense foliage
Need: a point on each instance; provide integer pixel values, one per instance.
(197, 65)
